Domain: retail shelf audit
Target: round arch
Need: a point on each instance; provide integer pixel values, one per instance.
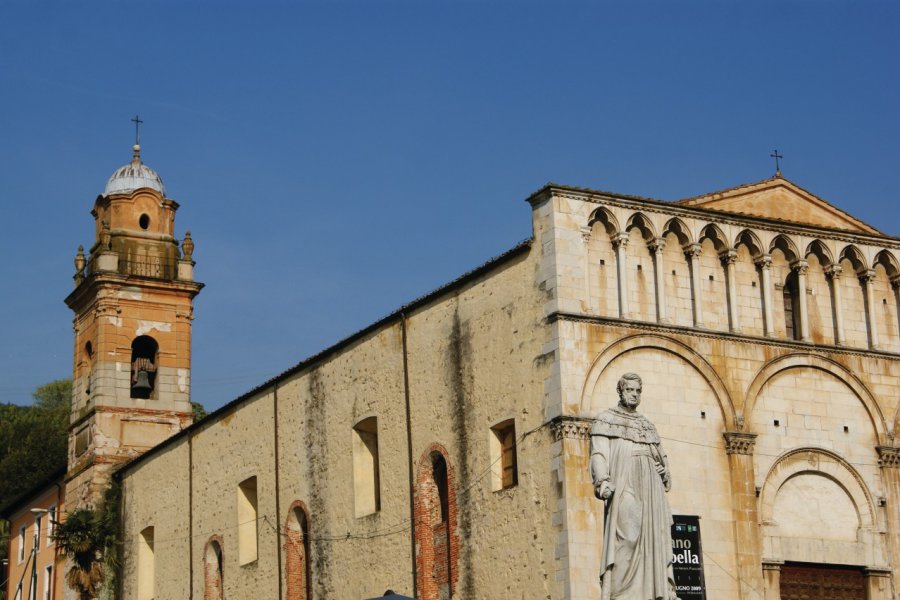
(817, 461)
(672, 346)
(812, 361)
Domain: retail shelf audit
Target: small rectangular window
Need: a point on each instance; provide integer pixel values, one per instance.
(51, 524)
(247, 521)
(48, 583)
(366, 477)
(504, 467)
(38, 521)
(146, 565)
(21, 543)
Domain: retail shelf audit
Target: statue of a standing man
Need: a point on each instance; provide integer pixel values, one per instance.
(630, 473)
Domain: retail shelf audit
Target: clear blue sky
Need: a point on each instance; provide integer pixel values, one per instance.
(336, 160)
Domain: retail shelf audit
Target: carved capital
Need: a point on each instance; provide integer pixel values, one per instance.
(764, 262)
(585, 234)
(867, 277)
(888, 456)
(657, 246)
(620, 240)
(834, 271)
(800, 266)
(692, 251)
(574, 428)
(739, 442)
(728, 257)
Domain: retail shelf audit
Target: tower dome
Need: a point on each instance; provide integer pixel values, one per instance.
(133, 176)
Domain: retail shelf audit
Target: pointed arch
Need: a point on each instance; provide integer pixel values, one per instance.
(677, 227)
(713, 233)
(820, 251)
(640, 220)
(666, 344)
(887, 259)
(751, 240)
(856, 258)
(607, 219)
(806, 360)
(787, 247)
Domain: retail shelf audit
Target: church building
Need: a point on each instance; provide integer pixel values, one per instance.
(442, 452)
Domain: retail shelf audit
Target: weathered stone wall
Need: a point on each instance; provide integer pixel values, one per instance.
(473, 360)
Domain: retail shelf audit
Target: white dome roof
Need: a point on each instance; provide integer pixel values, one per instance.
(133, 176)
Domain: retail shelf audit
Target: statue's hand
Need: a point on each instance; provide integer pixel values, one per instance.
(604, 491)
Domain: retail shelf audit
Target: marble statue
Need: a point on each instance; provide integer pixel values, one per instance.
(630, 473)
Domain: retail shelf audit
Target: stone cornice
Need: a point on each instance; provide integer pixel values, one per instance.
(888, 456)
(712, 334)
(739, 442)
(693, 212)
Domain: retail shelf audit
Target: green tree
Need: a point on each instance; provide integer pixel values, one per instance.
(199, 411)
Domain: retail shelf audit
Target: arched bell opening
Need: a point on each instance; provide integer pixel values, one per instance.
(144, 366)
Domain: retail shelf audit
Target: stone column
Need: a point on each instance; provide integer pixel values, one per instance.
(764, 263)
(620, 243)
(692, 253)
(895, 286)
(587, 305)
(889, 461)
(772, 578)
(739, 447)
(867, 279)
(728, 259)
(801, 267)
(833, 273)
(656, 247)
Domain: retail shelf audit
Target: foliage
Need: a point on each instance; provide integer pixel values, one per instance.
(33, 439)
(90, 539)
(199, 411)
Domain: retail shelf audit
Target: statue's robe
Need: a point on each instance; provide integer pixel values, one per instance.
(637, 534)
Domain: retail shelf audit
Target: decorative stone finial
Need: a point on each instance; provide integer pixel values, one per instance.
(136, 157)
(187, 246)
(79, 265)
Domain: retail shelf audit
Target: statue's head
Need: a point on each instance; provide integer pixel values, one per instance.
(629, 388)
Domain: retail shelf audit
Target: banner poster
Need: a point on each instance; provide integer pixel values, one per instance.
(687, 558)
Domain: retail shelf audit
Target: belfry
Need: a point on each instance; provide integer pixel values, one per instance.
(133, 305)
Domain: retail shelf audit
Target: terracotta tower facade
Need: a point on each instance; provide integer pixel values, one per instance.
(133, 305)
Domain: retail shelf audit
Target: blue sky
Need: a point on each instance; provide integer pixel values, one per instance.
(336, 160)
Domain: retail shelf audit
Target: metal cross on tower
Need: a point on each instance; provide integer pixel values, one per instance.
(776, 156)
(137, 130)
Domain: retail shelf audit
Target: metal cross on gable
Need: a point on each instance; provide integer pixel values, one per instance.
(137, 130)
(777, 156)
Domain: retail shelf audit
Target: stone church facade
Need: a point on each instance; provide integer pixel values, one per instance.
(442, 451)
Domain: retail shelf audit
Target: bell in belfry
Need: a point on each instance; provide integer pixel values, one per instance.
(142, 387)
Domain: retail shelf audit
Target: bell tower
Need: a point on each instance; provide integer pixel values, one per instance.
(133, 305)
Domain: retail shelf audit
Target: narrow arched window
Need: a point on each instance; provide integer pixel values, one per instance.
(299, 580)
(213, 577)
(144, 366)
(791, 307)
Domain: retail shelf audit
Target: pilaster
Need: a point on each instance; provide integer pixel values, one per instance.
(739, 446)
